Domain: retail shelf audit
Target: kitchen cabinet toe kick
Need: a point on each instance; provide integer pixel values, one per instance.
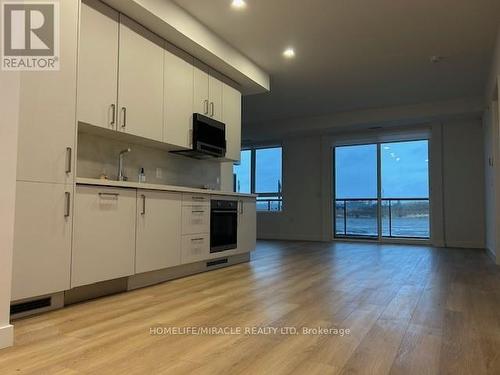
(55, 301)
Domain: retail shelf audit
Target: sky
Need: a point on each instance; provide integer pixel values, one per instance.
(267, 172)
(404, 170)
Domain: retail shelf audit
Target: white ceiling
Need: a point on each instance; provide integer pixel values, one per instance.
(357, 54)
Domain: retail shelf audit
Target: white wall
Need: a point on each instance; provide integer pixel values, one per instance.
(301, 218)
(9, 109)
(490, 131)
(492, 154)
(463, 184)
(491, 85)
(456, 160)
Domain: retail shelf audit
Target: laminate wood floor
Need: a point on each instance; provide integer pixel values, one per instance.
(409, 309)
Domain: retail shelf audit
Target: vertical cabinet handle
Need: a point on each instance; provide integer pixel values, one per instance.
(212, 109)
(143, 204)
(124, 117)
(205, 107)
(69, 159)
(113, 115)
(241, 206)
(67, 204)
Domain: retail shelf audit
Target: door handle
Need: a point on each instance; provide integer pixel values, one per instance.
(241, 207)
(143, 204)
(116, 195)
(67, 204)
(69, 159)
(212, 109)
(113, 115)
(205, 107)
(124, 117)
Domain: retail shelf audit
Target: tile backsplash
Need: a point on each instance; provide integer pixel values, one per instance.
(99, 155)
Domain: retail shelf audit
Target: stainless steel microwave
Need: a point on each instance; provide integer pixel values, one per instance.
(209, 138)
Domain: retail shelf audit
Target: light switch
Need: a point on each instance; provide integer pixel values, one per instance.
(159, 173)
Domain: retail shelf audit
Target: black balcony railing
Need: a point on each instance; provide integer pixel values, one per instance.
(399, 218)
(270, 204)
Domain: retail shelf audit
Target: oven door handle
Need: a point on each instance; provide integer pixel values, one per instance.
(224, 212)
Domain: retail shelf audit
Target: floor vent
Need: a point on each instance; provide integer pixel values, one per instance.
(29, 306)
(217, 262)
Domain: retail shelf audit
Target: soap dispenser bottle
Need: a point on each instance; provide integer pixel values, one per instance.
(142, 175)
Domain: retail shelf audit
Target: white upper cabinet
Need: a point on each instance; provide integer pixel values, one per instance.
(215, 96)
(132, 81)
(158, 230)
(201, 99)
(178, 97)
(47, 123)
(140, 83)
(231, 116)
(207, 92)
(98, 65)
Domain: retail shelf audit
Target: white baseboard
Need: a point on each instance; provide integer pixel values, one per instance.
(6, 336)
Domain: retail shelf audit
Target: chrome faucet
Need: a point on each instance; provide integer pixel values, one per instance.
(121, 175)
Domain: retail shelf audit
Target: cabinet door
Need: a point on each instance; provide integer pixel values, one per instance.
(215, 96)
(98, 65)
(247, 225)
(42, 239)
(140, 82)
(158, 243)
(47, 124)
(104, 234)
(231, 116)
(178, 97)
(200, 98)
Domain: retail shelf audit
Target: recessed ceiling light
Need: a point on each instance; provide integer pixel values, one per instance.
(238, 4)
(289, 53)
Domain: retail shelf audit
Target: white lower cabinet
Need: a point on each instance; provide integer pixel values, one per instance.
(104, 234)
(158, 242)
(195, 248)
(247, 225)
(42, 239)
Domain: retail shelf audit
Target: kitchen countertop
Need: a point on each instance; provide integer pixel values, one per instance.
(146, 186)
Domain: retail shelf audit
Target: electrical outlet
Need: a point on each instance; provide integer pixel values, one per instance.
(159, 173)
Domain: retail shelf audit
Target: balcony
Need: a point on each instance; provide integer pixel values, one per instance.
(269, 202)
(400, 218)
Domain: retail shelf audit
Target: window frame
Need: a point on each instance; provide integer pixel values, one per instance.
(253, 172)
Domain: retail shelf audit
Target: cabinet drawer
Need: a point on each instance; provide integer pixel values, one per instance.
(195, 248)
(195, 219)
(195, 199)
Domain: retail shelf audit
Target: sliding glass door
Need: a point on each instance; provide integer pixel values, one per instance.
(382, 190)
(405, 189)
